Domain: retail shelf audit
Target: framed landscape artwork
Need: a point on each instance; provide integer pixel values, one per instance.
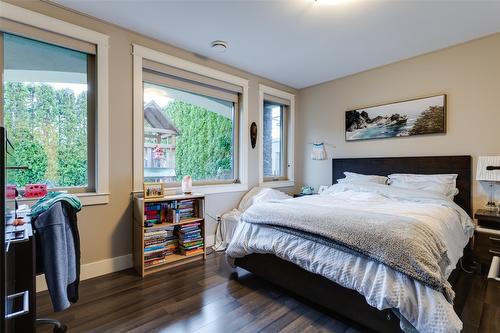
(413, 117)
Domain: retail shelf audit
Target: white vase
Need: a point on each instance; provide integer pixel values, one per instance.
(187, 185)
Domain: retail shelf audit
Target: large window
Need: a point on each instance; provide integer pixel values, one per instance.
(190, 128)
(277, 116)
(274, 141)
(48, 111)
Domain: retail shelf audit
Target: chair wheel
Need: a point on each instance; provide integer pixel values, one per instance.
(60, 329)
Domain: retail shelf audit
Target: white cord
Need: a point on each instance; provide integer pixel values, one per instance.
(218, 228)
(220, 245)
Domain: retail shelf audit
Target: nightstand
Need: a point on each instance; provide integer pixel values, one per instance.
(488, 219)
(487, 236)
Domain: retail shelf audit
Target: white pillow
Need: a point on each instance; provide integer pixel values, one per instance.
(444, 184)
(359, 181)
(260, 194)
(360, 178)
(444, 177)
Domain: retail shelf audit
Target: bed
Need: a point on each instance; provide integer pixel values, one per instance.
(318, 286)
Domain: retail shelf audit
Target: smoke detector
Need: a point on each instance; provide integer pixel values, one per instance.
(219, 46)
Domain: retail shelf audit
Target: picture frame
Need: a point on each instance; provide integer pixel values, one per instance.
(153, 190)
(418, 116)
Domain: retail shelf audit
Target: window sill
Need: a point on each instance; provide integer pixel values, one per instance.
(92, 199)
(87, 199)
(278, 183)
(211, 189)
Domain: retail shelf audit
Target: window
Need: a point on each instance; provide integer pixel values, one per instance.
(57, 64)
(219, 158)
(276, 134)
(274, 141)
(48, 111)
(190, 128)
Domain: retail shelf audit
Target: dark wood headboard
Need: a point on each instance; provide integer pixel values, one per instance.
(384, 166)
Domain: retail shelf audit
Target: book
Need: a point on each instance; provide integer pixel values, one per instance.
(154, 248)
(188, 225)
(197, 243)
(188, 230)
(191, 247)
(191, 252)
(150, 207)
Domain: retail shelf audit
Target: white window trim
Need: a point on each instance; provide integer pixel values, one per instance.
(140, 53)
(21, 15)
(290, 182)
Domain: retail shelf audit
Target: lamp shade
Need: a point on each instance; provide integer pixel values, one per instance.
(488, 168)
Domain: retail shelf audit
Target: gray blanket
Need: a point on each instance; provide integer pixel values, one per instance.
(403, 244)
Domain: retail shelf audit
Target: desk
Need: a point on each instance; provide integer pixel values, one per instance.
(20, 260)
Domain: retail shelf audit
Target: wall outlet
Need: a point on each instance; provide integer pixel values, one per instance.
(217, 218)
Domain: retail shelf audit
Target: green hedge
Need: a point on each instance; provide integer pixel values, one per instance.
(204, 145)
(48, 128)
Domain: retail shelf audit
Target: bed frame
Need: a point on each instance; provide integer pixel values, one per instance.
(342, 301)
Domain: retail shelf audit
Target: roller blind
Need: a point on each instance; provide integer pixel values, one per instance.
(46, 36)
(278, 100)
(29, 60)
(188, 81)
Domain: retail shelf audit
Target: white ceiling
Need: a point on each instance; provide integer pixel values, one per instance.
(302, 42)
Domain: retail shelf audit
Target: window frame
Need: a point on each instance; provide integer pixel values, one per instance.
(158, 79)
(283, 143)
(91, 108)
(100, 194)
(141, 53)
(287, 101)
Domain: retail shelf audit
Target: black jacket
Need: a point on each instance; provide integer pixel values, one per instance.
(58, 253)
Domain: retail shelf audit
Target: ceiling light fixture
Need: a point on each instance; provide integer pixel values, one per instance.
(219, 46)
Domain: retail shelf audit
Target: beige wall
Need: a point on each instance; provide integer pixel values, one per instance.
(106, 231)
(468, 73)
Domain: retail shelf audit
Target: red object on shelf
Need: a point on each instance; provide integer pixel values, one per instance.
(35, 190)
(11, 191)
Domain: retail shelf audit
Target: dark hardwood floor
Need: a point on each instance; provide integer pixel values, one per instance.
(206, 297)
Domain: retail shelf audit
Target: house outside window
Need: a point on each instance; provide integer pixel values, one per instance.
(160, 136)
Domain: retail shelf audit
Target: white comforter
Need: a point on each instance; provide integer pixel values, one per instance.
(424, 308)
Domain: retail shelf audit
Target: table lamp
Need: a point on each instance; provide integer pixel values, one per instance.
(488, 169)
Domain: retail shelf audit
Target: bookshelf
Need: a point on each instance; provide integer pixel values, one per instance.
(168, 232)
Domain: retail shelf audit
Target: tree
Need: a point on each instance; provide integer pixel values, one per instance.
(204, 147)
(48, 128)
(19, 122)
(72, 153)
(45, 129)
(430, 121)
